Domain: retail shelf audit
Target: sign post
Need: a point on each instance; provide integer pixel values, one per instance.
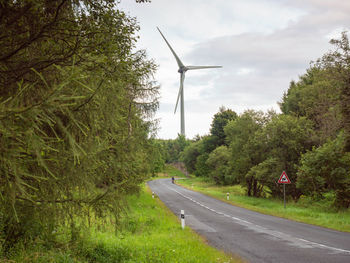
(284, 195)
(284, 180)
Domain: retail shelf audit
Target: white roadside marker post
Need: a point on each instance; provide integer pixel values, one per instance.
(228, 196)
(152, 194)
(182, 219)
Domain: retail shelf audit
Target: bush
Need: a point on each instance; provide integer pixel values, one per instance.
(326, 168)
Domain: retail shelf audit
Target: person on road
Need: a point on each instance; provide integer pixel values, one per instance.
(173, 180)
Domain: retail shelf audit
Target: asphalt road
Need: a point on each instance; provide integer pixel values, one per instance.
(255, 237)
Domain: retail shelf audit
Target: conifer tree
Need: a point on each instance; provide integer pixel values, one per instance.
(75, 102)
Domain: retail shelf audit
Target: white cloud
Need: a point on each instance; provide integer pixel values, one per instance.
(261, 44)
(244, 71)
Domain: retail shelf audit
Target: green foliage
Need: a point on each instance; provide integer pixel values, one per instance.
(315, 97)
(336, 65)
(196, 154)
(202, 169)
(218, 124)
(208, 144)
(322, 95)
(171, 171)
(174, 148)
(190, 154)
(74, 97)
(245, 152)
(149, 232)
(283, 140)
(326, 168)
(218, 164)
(156, 157)
(264, 174)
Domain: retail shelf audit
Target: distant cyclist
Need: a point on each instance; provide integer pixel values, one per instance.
(173, 180)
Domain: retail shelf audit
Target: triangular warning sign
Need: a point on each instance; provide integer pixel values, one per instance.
(284, 179)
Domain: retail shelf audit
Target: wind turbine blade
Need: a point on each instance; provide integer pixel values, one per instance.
(182, 78)
(201, 67)
(179, 62)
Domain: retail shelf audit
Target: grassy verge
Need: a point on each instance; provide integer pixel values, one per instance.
(170, 171)
(149, 233)
(320, 213)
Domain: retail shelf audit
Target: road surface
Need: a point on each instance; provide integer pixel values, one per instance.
(255, 237)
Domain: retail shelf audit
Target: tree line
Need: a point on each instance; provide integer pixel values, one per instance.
(76, 99)
(310, 139)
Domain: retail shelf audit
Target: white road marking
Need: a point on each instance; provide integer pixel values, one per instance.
(294, 241)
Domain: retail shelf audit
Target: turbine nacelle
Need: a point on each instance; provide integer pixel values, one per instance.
(182, 69)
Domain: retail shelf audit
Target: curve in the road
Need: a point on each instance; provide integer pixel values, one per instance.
(254, 236)
(300, 242)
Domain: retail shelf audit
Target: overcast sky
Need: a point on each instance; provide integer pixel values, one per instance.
(261, 44)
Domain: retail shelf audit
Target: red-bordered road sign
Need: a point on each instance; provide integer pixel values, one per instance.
(284, 179)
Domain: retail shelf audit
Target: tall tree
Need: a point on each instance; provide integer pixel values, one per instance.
(316, 97)
(282, 140)
(240, 134)
(74, 97)
(220, 120)
(337, 66)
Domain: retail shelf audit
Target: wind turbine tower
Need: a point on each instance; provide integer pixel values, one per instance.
(182, 70)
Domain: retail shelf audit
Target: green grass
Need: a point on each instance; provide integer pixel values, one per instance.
(170, 171)
(321, 213)
(149, 233)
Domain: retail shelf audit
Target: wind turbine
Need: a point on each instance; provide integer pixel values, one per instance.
(182, 70)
